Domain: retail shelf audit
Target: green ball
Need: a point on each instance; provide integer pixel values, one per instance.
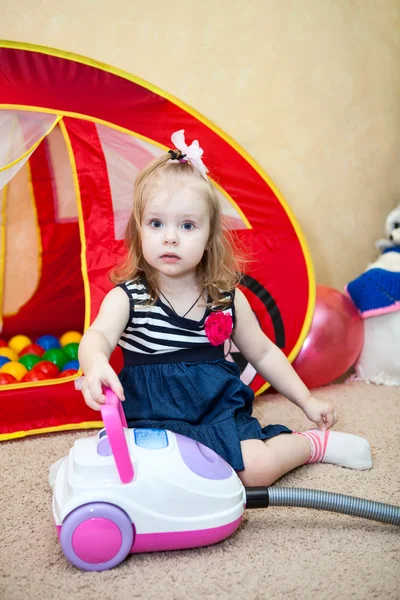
(29, 360)
(56, 356)
(71, 350)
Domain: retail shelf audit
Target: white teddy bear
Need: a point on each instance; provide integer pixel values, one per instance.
(392, 230)
(376, 294)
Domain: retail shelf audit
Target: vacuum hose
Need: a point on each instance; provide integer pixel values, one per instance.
(261, 497)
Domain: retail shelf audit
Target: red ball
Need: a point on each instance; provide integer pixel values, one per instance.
(33, 349)
(334, 340)
(68, 373)
(32, 376)
(49, 369)
(3, 344)
(6, 378)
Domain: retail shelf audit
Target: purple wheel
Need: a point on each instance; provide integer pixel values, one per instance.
(97, 536)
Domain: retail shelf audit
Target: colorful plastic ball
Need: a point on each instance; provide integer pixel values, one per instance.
(3, 343)
(29, 360)
(14, 368)
(48, 342)
(33, 349)
(18, 343)
(9, 353)
(71, 350)
(49, 369)
(56, 356)
(4, 360)
(34, 376)
(6, 379)
(68, 373)
(72, 364)
(334, 341)
(70, 337)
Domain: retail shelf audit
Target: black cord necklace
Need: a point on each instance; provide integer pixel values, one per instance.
(187, 312)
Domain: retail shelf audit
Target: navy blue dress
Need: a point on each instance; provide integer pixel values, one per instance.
(173, 378)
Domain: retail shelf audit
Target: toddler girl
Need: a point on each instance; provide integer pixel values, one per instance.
(175, 303)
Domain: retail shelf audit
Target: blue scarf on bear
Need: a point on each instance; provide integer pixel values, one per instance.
(376, 289)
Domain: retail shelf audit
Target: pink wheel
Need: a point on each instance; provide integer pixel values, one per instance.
(97, 536)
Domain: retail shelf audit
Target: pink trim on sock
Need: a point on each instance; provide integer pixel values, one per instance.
(318, 441)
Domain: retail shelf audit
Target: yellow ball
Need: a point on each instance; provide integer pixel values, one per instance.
(19, 342)
(16, 369)
(8, 353)
(70, 337)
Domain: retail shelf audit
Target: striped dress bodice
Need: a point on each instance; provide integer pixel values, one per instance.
(157, 329)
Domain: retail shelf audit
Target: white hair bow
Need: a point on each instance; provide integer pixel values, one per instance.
(192, 153)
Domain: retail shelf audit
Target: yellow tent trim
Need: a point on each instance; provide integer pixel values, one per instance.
(81, 225)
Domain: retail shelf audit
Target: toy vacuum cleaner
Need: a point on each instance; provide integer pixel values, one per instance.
(142, 490)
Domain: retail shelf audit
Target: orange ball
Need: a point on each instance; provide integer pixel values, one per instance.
(14, 368)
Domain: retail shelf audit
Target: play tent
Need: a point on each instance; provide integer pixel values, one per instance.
(73, 135)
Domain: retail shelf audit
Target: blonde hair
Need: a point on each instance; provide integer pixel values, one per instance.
(220, 268)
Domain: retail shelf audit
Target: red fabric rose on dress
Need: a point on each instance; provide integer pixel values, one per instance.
(218, 327)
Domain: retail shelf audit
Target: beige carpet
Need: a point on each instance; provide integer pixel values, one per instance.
(277, 553)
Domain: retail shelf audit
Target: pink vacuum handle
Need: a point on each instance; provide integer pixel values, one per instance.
(114, 421)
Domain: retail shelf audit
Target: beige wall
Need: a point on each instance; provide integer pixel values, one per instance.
(310, 88)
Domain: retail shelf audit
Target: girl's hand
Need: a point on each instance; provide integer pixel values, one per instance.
(102, 374)
(320, 412)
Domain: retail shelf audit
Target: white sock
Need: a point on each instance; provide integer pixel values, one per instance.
(53, 470)
(337, 448)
